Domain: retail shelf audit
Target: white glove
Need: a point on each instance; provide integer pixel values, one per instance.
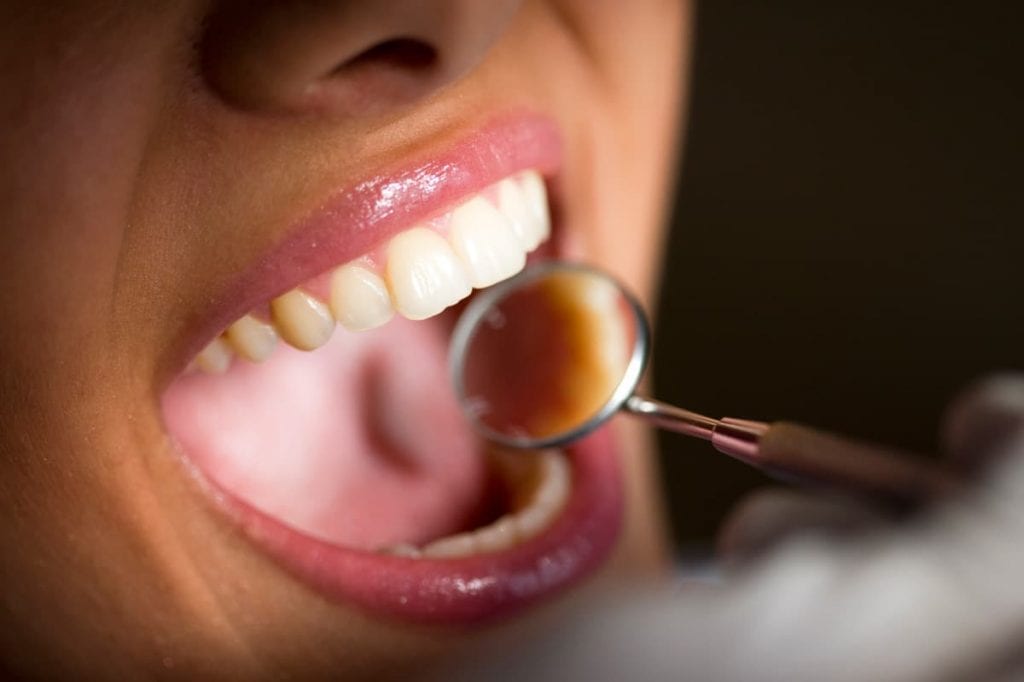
(939, 598)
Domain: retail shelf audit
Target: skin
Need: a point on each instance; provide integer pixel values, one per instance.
(143, 164)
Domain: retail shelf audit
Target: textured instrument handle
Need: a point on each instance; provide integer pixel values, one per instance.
(805, 454)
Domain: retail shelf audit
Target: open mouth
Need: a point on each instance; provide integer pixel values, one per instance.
(319, 411)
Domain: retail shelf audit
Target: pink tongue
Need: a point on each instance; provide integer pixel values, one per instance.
(359, 443)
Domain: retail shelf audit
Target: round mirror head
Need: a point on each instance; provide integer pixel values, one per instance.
(548, 356)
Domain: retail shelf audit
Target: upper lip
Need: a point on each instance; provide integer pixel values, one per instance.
(354, 219)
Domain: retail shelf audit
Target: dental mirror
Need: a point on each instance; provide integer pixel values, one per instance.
(546, 357)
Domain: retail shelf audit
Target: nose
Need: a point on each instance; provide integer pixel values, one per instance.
(345, 57)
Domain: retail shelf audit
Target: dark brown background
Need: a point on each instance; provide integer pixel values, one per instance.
(848, 239)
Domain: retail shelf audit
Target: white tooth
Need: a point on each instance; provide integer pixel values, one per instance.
(301, 320)
(537, 200)
(524, 220)
(423, 274)
(554, 488)
(484, 241)
(215, 358)
(549, 497)
(531, 521)
(252, 339)
(498, 536)
(404, 549)
(459, 545)
(359, 298)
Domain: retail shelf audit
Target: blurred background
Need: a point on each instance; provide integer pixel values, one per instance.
(848, 242)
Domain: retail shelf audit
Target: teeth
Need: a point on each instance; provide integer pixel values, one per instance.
(215, 358)
(484, 241)
(423, 274)
(537, 202)
(530, 521)
(556, 480)
(462, 544)
(359, 298)
(419, 273)
(405, 550)
(302, 321)
(252, 339)
(500, 535)
(523, 219)
(549, 496)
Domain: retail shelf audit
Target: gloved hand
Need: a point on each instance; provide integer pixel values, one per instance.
(940, 598)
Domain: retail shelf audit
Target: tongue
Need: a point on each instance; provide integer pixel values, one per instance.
(359, 443)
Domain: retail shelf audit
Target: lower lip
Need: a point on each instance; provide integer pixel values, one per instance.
(473, 589)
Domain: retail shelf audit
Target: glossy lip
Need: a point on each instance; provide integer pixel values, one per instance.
(354, 220)
(473, 589)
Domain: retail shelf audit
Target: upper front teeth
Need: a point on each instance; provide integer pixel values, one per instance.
(419, 273)
(484, 241)
(423, 274)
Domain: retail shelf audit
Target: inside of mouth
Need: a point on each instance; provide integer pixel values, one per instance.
(360, 443)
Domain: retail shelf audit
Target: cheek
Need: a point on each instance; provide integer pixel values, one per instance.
(70, 153)
(628, 149)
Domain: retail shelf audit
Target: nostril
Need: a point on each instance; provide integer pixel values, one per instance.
(339, 57)
(402, 54)
(389, 73)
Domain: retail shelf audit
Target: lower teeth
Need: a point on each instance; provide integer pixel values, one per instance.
(552, 480)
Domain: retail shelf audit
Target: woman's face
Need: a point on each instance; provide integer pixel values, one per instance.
(181, 184)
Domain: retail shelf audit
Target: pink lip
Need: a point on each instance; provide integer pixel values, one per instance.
(473, 589)
(356, 219)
